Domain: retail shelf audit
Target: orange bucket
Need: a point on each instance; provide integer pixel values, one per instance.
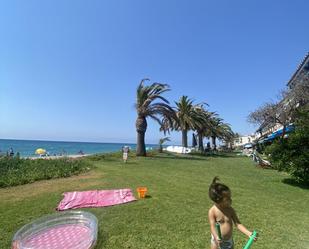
(141, 191)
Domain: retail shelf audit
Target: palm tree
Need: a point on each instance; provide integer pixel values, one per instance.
(229, 137)
(226, 134)
(203, 125)
(187, 117)
(214, 131)
(161, 142)
(145, 107)
(220, 130)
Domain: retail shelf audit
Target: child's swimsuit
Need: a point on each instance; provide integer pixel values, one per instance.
(225, 244)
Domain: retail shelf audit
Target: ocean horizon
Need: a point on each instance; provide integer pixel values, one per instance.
(26, 148)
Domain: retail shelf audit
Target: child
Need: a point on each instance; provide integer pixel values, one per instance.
(125, 152)
(223, 213)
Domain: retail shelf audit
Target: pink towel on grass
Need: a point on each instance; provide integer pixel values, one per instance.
(95, 198)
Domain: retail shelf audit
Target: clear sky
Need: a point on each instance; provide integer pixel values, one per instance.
(69, 69)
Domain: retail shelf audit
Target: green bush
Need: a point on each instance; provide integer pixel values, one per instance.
(292, 154)
(17, 171)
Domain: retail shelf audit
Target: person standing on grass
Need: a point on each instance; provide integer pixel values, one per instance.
(125, 152)
(11, 152)
(223, 213)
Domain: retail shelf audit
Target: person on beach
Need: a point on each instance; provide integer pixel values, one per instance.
(223, 213)
(125, 152)
(11, 152)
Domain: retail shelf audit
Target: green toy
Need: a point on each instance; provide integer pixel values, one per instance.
(218, 230)
(251, 239)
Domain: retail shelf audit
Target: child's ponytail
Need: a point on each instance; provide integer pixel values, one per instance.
(216, 190)
(214, 181)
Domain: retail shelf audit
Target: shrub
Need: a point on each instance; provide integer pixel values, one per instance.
(292, 154)
(17, 171)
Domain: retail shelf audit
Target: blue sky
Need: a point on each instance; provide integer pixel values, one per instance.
(69, 69)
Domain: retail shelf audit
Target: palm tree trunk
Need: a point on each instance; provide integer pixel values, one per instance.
(200, 142)
(140, 147)
(184, 138)
(213, 140)
(229, 145)
(141, 127)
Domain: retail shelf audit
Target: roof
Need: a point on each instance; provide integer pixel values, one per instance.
(301, 66)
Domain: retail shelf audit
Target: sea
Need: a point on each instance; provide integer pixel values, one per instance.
(27, 148)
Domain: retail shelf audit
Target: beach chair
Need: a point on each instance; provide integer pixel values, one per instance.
(260, 161)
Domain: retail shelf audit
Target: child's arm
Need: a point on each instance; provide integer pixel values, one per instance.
(240, 226)
(212, 222)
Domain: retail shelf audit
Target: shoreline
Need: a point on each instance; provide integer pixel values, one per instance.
(56, 157)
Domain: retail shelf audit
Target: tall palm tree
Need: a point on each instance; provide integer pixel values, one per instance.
(186, 117)
(214, 131)
(202, 125)
(147, 107)
(228, 136)
(220, 130)
(225, 133)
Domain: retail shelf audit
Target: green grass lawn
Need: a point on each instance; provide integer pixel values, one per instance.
(175, 213)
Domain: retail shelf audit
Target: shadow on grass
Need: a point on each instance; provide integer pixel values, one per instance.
(194, 156)
(181, 157)
(129, 162)
(102, 239)
(293, 182)
(224, 155)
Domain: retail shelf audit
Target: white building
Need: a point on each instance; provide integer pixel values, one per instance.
(242, 140)
(300, 75)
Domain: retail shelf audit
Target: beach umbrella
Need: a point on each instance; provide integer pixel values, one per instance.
(248, 146)
(40, 151)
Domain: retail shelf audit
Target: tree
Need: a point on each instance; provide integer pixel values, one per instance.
(227, 135)
(147, 107)
(187, 117)
(219, 129)
(161, 142)
(202, 124)
(214, 130)
(273, 113)
(284, 110)
(292, 154)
